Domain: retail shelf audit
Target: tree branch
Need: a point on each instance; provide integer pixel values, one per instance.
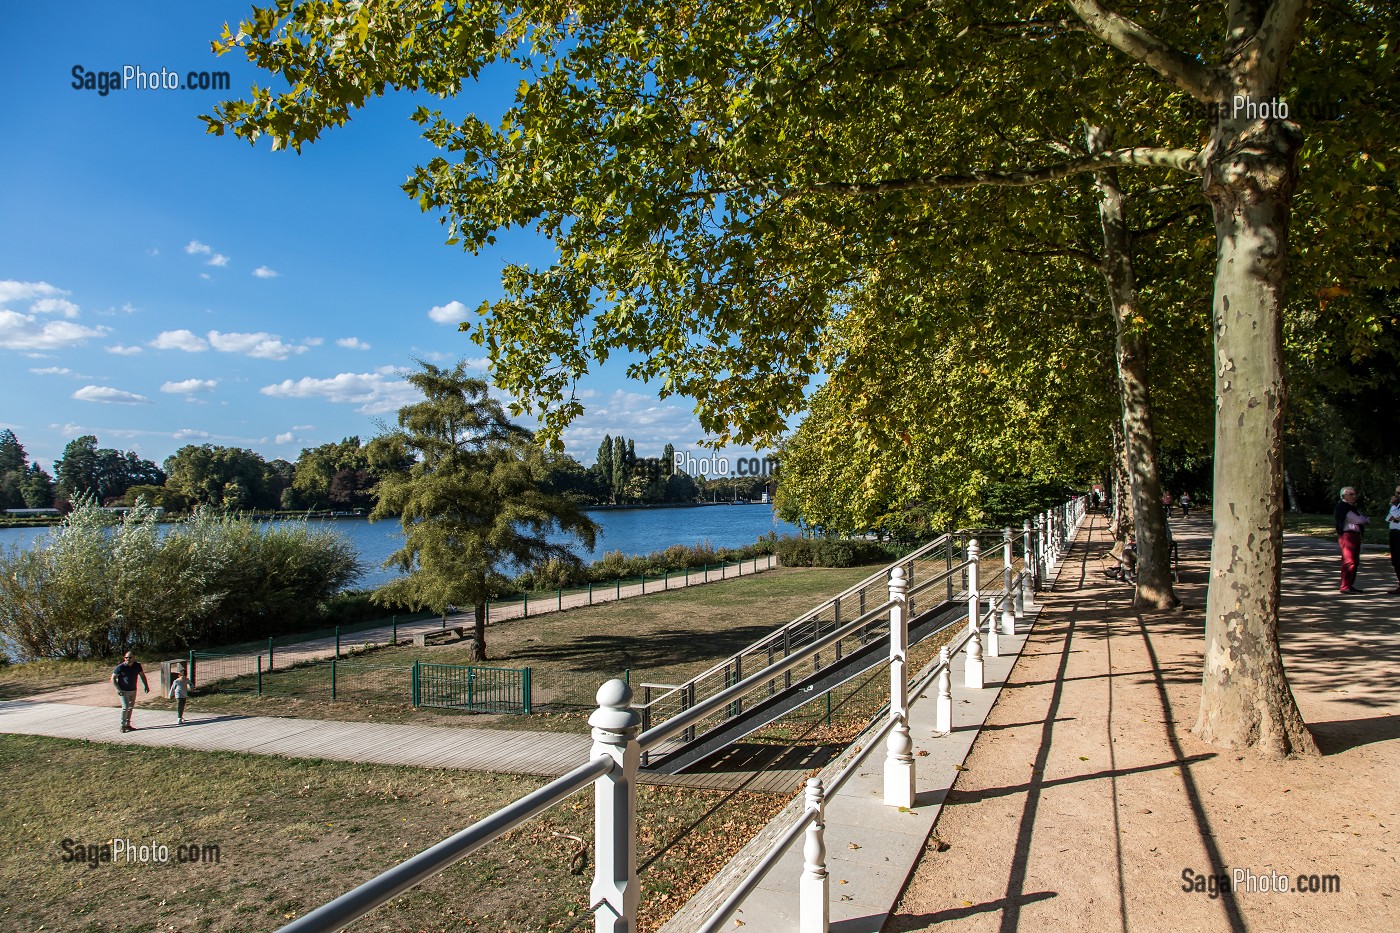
(1138, 43)
(1147, 233)
(1277, 33)
(1185, 160)
(1092, 260)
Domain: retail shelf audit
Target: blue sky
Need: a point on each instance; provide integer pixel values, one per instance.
(162, 287)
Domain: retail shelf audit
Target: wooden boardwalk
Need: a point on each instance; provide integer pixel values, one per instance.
(550, 754)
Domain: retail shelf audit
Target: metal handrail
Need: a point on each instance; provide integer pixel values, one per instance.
(751, 880)
(807, 616)
(615, 766)
(941, 577)
(684, 720)
(916, 690)
(774, 854)
(354, 904)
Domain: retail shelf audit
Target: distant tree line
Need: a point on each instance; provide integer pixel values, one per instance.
(23, 485)
(336, 476)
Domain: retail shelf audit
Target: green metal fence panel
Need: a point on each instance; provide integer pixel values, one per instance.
(476, 689)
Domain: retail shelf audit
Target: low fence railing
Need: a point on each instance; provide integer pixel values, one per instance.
(619, 742)
(468, 688)
(475, 689)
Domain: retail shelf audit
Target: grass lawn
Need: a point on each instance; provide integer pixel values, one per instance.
(662, 638)
(20, 680)
(292, 834)
(1318, 525)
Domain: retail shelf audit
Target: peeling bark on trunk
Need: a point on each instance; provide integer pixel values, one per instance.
(1249, 181)
(1122, 495)
(1154, 582)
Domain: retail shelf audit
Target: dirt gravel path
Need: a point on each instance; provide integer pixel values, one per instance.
(1089, 805)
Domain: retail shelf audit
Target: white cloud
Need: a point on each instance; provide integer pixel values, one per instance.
(190, 434)
(23, 332)
(218, 259)
(189, 386)
(352, 343)
(261, 345)
(120, 350)
(110, 396)
(55, 306)
(286, 438)
(649, 421)
(454, 312)
(204, 275)
(11, 290)
(194, 247)
(314, 341)
(179, 340)
(52, 371)
(479, 362)
(372, 392)
(263, 272)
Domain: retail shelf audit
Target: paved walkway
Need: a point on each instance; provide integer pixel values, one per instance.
(382, 743)
(550, 754)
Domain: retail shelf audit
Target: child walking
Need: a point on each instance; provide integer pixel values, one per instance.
(180, 692)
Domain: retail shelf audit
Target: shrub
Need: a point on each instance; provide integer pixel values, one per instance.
(794, 551)
(94, 588)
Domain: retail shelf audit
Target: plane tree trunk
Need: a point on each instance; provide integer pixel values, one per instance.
(1250, 172)
(1154, 582)
(1122, 494)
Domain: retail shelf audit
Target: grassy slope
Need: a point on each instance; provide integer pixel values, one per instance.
(291, 834)
(661, 638)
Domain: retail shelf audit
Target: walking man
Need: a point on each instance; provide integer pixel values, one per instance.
(124, 679)
(1349, 524)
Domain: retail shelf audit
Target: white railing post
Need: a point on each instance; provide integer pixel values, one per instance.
(814, 889)
(943, 703)
(1032, 567)
(972, 668)
(899, 747)
(1008, 618)
(615, 892)
(1022, 598)
(993, 649)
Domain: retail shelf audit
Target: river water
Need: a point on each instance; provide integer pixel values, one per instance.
(631, 531)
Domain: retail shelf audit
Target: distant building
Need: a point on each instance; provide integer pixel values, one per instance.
(32, 513)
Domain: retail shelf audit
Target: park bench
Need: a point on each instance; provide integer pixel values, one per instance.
(445, 637)
(1124, 560)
